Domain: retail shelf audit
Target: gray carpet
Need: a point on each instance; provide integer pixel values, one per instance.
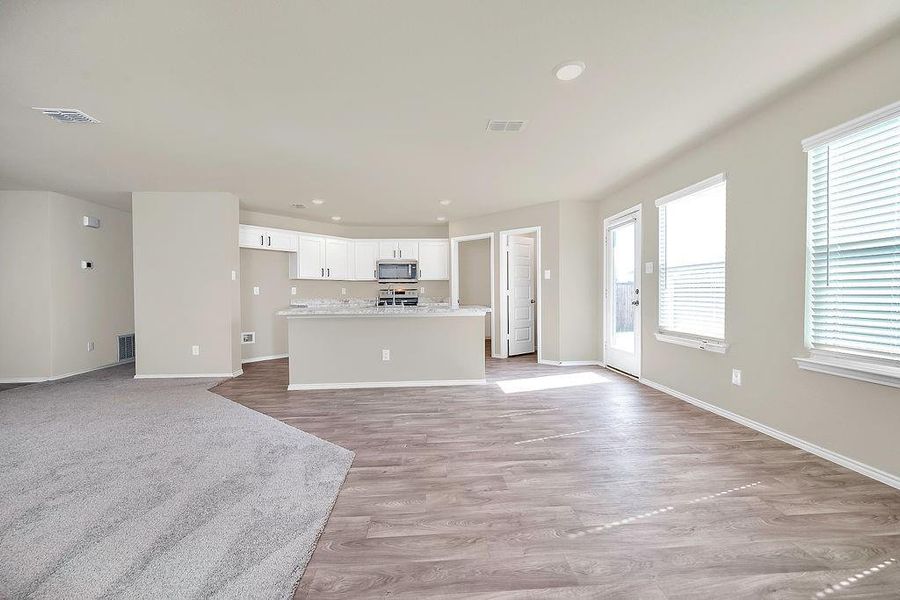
(117, 488)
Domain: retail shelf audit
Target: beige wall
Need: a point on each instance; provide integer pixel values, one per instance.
(268, 270)
(766, 211)
(348, 231)
(475, 276)
(547, 217)
(48, 303)
(348, 349)
(185, 248)
(580, 243)
(25, 286)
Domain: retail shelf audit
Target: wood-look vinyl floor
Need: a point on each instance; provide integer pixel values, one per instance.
(452, 495)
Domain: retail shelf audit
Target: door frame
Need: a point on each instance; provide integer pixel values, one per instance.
(454, 279)
(638, 275)
(504, 288)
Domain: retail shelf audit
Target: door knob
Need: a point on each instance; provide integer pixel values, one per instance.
(532, 300)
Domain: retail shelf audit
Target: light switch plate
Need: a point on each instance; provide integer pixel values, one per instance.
(195, 350)
(736, 376)
(546, 273)
(256, 290)
(343, 291)
(233, 275)
(385, 354)
(648, 267)
(293, 290)
(90, 346)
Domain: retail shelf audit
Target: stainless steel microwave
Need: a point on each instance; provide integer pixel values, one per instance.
(397, 270)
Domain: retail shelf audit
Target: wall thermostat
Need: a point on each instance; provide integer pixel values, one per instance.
(87, 264)
(92, 222)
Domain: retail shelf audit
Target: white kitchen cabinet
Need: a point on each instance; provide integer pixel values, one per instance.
(434, 259)
(309, 260)
(250, 236)
(387, 249)
(407, 249)
(365, 257)
(398, 249)
(337, 260)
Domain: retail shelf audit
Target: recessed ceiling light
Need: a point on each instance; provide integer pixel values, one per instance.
(445, 202)
(335, 218)
(568, 71)
(318, 201)
(442, 218)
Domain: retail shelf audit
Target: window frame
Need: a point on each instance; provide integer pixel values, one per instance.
(847, 363)
(681, 338)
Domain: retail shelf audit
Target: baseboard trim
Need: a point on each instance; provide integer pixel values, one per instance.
(383, 384)
(572, 363)
(262, 358)
(839, 459)
(190, 375)
(64, 375)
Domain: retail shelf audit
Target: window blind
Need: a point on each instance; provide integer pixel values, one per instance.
(692, 260)
(853, 242)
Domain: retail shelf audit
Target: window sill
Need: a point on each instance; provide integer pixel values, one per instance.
(717, 346)
(851, 367)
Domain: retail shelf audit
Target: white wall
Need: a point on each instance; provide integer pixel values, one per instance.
(185, 248)
(49, 306)
(765, 247)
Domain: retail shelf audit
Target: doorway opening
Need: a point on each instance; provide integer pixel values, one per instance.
(472, 279)
(621, 291)
(520, 292)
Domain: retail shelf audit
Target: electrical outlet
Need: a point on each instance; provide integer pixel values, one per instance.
(648, 268)
(422, 290)
(233, 275)
(736, 376)
(256, 290)
(385, 354)
(195, 350)
(293, 290)
(546, 273)
(90, 346)
(343, 291)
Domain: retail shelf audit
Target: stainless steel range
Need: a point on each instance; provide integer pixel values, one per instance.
(398, 296)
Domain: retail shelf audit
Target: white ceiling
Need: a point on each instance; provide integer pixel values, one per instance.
(380, 106)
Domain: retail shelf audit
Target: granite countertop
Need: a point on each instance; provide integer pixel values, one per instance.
(368, 309)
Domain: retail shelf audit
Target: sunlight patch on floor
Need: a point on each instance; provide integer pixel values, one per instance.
(550, 382)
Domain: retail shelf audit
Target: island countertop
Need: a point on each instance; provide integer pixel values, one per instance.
(369, 310)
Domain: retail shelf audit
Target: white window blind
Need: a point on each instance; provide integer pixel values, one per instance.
(853, 241)
(692, 260)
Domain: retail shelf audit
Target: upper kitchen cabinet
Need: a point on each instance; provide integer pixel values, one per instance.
(321, 257)
(365, 256)
(398, 249)
(434, 259)
(337, 258)
(250, 236)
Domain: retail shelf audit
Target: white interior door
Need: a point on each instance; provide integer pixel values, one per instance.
(622, 331)
(520, 308)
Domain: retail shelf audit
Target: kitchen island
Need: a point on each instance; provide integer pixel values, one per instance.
(333, 346)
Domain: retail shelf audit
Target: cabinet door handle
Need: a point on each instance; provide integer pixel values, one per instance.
(270, 240)
(261, 241)
(374, 273)
(329, 272)
(323, 271)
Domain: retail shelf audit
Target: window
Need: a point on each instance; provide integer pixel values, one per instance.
(853, 242)
(692, 265)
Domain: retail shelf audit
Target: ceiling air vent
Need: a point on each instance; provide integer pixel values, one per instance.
(67, 115)
(495, 125)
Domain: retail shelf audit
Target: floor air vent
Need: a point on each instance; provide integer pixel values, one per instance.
(126, 347)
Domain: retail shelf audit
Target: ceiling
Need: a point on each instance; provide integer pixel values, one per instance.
(380, 107)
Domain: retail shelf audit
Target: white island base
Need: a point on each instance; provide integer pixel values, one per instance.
(334, 348)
